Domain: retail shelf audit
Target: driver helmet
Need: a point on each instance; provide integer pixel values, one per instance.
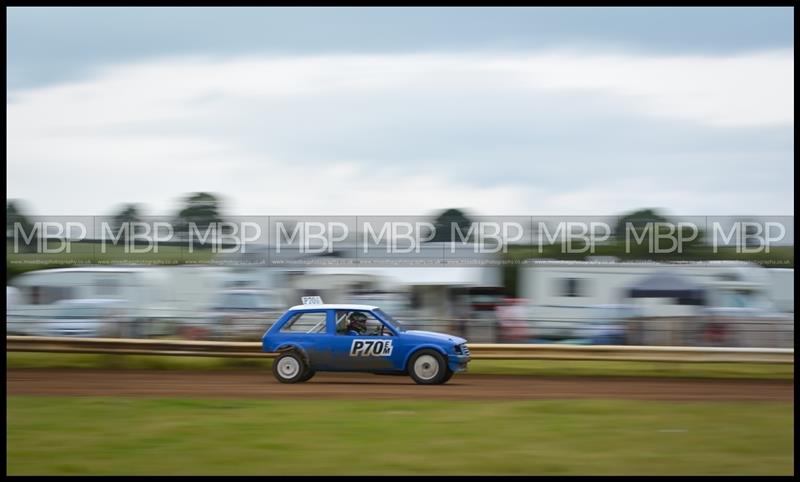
(357, 322)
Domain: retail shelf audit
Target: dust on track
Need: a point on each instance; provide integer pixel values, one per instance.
(249, 384)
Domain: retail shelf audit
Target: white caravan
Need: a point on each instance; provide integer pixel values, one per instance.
(563, 296)
(154, 297)
(782, 288)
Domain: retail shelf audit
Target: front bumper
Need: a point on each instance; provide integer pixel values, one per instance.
(458, 363)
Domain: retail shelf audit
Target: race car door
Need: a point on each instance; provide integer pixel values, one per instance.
(369, 351)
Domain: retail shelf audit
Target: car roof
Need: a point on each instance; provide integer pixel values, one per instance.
(333, 307)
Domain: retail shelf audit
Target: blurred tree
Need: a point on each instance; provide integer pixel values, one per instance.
(200, 208)
(751, 233)
(446, 220)
(638, 220)
(14, 216)
(128, 214)
(632, 225)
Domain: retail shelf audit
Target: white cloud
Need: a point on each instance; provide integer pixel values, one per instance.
(740, 90)
(149, 131)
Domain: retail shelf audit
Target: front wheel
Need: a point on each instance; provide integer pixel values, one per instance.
(290, 367)
(448, 376)
(428, 367)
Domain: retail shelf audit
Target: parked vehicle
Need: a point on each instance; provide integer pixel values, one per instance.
(13, 298)
(143, 290)
(562, 295)
(605, 324)
(781, 282)
(239, 313)
(159, 298)
(84, 318)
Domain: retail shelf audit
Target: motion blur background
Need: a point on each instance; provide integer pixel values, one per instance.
(443, 114)
(451, 116)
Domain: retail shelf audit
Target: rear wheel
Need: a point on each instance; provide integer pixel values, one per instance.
(290, 367)
(428, 367)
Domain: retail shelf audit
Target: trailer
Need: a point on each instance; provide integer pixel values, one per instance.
(157, 299)
(42, 293)
(781, 282)
(562, 298)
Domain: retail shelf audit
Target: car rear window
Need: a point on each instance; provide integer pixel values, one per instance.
(306, 323)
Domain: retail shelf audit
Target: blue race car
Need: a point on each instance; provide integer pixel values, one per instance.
(359, 338)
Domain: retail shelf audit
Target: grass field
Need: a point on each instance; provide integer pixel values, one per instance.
(487, 367)
(83, 253)
(49, 435)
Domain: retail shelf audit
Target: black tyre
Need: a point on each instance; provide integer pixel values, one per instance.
(309, 374)
(448, 376)
(428, 367)
(290, 367)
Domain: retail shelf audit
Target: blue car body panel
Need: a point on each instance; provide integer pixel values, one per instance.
(330, 351)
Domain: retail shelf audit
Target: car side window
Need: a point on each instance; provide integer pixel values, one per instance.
(306, 323)
(373, 327)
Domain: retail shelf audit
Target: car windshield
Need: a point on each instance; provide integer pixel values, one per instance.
(396, 324)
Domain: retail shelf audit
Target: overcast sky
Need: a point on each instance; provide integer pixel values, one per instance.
(534, 111)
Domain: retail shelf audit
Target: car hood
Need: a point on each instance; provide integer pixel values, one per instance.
(432, 335)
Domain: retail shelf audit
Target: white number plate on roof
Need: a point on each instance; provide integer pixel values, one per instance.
(311, 300)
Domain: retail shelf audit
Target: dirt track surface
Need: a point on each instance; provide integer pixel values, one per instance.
(237, 384)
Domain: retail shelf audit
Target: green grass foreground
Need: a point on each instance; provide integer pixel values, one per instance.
(487, 367)
(104, 436)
